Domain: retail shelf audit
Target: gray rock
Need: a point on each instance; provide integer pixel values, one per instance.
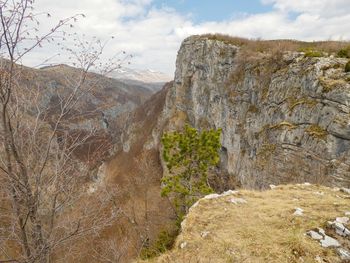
(183, 245)
(237, 201)
(298, 212)
(345, 190)
(229, 192)
(342, 220)
(343, 253)
(274, 116)
(211, 196)
(204, 234)
(339, 228)
(315, 235)
(329, 242)
(321, 231)
(318, 259)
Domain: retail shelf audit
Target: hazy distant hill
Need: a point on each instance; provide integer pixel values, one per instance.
(149, 79)
(104, 107)
(147, 75)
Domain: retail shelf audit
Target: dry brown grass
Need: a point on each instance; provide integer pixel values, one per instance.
(263, 230)
(257, 45)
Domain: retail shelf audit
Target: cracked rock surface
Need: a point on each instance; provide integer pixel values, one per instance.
(276, 113)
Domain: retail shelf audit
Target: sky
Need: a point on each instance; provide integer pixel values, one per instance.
(152, 30)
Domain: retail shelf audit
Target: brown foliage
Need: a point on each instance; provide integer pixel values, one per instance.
(257, 45)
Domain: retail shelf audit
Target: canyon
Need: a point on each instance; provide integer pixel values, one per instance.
(284, 115)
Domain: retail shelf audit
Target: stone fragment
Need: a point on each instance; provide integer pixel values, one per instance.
(318, 259)
(347, 213)
(298, 211)
(345, 190)
(315, 235)
(272, 186)
(321, 231)
(342, 220)
(183, 245)
(339, 228)
(343, 253)
(204, 234)
(329, 242)
(211, 196)
(237, 201)
(214, 196)
(229, 192)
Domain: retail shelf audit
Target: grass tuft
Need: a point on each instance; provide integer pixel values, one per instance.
(316, 131)
(347, 67)
(262, 230)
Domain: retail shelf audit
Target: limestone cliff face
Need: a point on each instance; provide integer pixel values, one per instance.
(285, 117)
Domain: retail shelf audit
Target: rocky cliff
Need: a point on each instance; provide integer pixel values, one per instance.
(285, 117)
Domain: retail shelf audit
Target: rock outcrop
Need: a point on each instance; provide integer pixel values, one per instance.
(284, 117)
(263, 228)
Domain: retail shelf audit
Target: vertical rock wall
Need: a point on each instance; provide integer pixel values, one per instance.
(285, 118)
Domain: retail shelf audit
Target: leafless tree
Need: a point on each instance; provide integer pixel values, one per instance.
(44, 205)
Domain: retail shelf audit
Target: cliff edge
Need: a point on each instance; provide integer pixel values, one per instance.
(290, 223)
(285, 115)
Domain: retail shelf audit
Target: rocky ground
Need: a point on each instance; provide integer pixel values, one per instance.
(289, 223)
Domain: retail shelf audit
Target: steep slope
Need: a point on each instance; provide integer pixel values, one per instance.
(149, 79)
(284, 116)
(134, 173)
(253, 226)
(277, 110)
(103, 105)
(146, 76)
(99, 109)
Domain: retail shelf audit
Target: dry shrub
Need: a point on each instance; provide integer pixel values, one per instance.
(258, 45)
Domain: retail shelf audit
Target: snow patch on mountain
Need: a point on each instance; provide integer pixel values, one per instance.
(146, 76)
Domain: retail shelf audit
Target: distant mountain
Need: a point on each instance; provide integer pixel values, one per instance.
(146, 76)
(104, 107)
(149, 79)
(150, 86)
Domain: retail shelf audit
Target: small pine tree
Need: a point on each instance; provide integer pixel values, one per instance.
(189, 155)
(347, 67)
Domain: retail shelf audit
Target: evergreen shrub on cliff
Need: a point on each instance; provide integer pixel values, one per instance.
(347, 67)
(188, 156)
(344, 52)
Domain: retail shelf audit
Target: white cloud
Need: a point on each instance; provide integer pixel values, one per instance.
(154, 35)
(325, 8)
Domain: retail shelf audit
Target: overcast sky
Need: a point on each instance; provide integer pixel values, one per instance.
(152, 30)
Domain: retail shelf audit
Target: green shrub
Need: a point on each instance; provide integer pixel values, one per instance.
(189, 155)
(347, 66)
(164, 242)
(344, 53)
(313, 53)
